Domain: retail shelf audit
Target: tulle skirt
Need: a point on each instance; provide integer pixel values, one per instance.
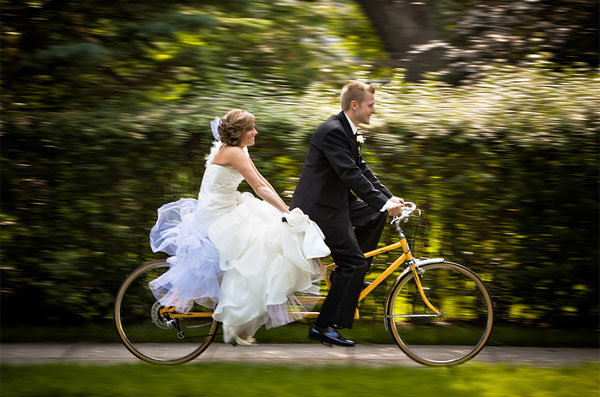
(195, 274)
(243, 261)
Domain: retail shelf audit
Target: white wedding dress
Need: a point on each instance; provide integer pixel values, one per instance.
(231, 251)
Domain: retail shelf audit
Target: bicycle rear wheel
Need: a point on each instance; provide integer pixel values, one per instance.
(153, 335)
(455, 336)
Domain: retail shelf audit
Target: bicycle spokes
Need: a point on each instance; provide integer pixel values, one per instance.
(456, 333)
(156, 333)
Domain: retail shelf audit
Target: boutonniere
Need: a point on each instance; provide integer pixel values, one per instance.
(360, 139)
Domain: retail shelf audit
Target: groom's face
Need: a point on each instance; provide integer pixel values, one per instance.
(365, 109)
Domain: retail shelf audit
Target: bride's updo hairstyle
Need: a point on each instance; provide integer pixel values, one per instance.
(233, 125)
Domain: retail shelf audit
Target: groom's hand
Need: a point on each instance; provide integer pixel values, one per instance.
(395, 210)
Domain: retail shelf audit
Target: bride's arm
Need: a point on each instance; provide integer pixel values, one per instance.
(259, 184)
(262, 177)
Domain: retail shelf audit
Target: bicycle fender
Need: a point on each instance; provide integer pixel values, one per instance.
(428, 261)
(418, 263)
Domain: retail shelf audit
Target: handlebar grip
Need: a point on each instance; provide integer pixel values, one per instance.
(412, 206)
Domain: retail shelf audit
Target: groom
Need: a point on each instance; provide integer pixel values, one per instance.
(334, 169)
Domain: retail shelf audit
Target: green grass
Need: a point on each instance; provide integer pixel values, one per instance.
(270, 380)
(363, 332)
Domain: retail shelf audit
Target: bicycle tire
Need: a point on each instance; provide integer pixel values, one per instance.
(459, 333)
(146, 333)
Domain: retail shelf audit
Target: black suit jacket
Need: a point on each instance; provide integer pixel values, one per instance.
(333, 169)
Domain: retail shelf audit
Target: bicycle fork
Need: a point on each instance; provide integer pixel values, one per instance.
(417, 273)
(414, 267)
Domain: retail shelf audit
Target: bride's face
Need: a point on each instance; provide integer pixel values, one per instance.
(248, 137)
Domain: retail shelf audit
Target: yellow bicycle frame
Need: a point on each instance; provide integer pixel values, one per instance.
(405, 257)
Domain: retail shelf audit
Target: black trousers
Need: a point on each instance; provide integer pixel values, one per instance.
(348, 238)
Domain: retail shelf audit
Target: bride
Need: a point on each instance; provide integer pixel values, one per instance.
(230, 251)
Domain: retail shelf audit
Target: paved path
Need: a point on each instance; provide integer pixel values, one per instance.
(306, 354)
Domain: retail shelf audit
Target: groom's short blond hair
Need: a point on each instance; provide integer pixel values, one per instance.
(354, 92)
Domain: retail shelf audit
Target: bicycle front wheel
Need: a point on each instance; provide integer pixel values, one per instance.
(466, 319)
(154, 333)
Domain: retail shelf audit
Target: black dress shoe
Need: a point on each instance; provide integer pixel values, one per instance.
(328, 336)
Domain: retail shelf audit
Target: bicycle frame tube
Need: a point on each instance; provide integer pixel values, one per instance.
(382, 276)
(406, 256)
(172, 314)
(390, 247)
(191, 315)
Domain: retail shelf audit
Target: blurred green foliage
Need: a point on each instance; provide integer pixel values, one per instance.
(59, 54)
(105, 118)
(507, 172)
(505, 169)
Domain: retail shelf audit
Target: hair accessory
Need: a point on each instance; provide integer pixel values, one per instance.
(214, 126)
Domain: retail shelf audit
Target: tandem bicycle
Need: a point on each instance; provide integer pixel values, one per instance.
(439, 313)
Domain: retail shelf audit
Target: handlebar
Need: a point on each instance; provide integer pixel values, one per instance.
(407, 211)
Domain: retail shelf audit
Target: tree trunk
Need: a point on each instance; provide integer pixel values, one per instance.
(402, 26)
